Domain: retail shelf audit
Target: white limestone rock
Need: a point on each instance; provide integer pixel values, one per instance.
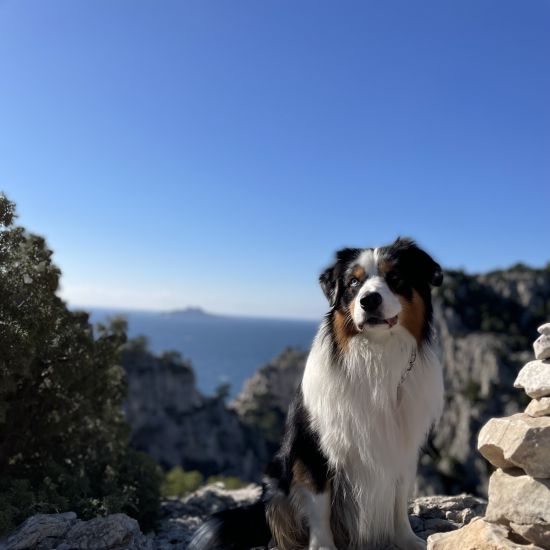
(542, 346)
(477, 535)
(539, 407)
(517, 441)
(544, 329)
(521, 502)
(534, 378)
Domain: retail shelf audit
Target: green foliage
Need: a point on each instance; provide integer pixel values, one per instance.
(63, 439)
(229, 482)
(177, 482)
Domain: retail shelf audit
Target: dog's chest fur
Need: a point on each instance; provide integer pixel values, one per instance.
(371, 423)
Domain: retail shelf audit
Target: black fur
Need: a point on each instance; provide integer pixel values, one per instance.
(300, 443)
(236, 529)
(413, 269)
(331, 280)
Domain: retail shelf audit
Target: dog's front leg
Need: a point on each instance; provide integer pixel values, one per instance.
(317, 510)
(405, 538)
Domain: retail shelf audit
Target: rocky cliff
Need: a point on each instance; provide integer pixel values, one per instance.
(177, 425)
(484, 323)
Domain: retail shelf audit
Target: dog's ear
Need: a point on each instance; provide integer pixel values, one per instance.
(331, 278)
(330, 284)
(420, 264)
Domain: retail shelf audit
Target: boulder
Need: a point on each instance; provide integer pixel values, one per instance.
(538, 407)
(542, 346)
(534, 378)
(477, 535)
(37, 528)
(544, 329)
(114, 531)
(518, 441)
(66, 532)
(522, 503)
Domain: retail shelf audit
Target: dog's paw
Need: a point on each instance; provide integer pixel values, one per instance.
(411, 542)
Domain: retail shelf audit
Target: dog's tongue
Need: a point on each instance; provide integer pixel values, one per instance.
(392, 322)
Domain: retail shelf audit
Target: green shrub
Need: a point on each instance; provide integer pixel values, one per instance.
(64, 444)
(178, 483)
(229, 482)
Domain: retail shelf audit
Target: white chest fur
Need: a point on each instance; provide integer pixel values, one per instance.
(370, 426)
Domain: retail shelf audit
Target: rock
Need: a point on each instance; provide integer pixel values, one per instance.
(542, 346)
(534, 378)
(538, 407)
(114, 531)
(34, 530)
(436, 514)
(521, 502)
(518, 441)
(538, 534)
(66, 532)
(544, 329)
(477, 535)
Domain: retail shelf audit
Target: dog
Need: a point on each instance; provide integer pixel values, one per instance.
(371, 391)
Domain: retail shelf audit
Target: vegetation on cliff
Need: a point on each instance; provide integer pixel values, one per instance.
(63, 438)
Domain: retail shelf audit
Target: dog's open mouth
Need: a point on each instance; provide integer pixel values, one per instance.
(391, 322)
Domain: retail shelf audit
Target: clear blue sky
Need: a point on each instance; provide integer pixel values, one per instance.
(217, 153)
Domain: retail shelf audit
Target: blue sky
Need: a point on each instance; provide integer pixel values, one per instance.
(217, 153)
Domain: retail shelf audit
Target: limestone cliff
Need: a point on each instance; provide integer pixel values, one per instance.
(177, 425)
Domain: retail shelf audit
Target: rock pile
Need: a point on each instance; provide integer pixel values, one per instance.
(518, 512)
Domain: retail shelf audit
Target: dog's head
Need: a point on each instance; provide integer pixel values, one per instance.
(377, 289)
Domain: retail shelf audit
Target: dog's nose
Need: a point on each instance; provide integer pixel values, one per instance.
(371, 301)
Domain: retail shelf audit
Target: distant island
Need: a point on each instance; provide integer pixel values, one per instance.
(191, 313)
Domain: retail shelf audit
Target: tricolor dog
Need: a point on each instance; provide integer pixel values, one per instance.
(371, 390)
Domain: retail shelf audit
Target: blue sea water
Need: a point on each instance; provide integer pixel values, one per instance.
(221, 349)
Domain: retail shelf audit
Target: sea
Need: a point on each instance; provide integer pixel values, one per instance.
(222, 349)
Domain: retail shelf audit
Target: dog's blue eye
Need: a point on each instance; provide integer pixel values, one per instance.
(354, 282)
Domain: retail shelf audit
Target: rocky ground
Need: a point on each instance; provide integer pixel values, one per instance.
(180, 518)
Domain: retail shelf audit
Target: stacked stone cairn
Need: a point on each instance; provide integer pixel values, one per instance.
(518, 512)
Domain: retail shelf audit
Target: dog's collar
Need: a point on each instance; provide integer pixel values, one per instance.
(412, 361)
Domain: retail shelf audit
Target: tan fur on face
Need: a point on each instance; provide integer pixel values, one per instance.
(344, 328)
(412, 315)
(358, 273)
